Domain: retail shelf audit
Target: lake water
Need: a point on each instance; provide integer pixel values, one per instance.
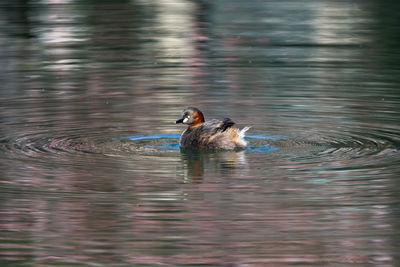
(91, 170)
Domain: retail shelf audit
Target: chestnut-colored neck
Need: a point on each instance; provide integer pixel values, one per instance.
(198, 119)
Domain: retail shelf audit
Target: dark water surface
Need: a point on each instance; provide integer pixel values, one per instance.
(91, 171)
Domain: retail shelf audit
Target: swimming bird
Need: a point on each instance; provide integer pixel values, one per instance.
(209, 134)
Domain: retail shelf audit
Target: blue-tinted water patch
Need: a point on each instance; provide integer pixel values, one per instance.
(267, 137)
(145, 137)
(175, 146)
(263, 148)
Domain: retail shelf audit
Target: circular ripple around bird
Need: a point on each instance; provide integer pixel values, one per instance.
(328, 146)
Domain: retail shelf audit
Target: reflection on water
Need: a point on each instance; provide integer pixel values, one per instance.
(91, 171)
(221, 163)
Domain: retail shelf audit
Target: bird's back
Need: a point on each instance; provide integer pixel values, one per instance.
(214, 134)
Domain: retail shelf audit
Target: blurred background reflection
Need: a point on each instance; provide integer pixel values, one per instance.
(90, 169)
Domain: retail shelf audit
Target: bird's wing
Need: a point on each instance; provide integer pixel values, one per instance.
(214, 125)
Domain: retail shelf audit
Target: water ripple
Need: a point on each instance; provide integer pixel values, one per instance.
(343, 148)
(34, 144)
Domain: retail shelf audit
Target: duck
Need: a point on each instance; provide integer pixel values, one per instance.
(214, 133)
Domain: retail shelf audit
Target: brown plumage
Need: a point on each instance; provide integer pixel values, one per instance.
(209, 134)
